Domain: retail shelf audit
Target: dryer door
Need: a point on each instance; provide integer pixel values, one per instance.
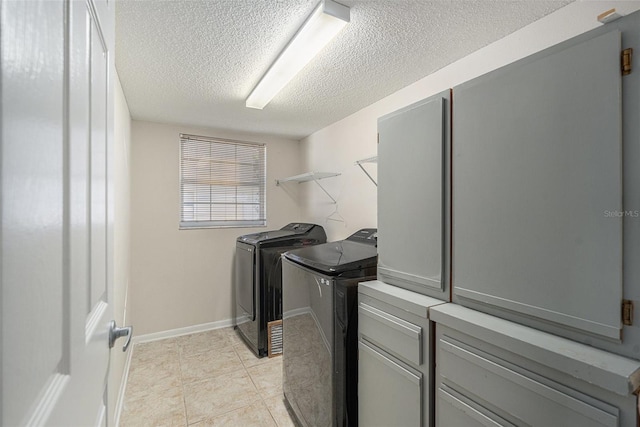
(245, 282)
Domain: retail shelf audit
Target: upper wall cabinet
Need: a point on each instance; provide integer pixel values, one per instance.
(412, 196)
(538, 190)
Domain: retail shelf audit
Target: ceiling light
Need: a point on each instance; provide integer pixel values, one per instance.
(326, 20)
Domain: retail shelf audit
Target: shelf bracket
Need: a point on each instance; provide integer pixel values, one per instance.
(373, 159)
(325, 191)
(367, 173)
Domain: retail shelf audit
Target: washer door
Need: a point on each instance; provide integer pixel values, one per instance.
(245, 282)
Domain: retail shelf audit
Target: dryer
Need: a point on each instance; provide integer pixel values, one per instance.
(258, 282)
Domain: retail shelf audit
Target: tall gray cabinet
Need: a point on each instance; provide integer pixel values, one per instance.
(413, 203)
(545, 206)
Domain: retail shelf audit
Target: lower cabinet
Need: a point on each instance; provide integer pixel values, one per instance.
(426, 363)
(395, 355)
(492, 372)
(385, 380)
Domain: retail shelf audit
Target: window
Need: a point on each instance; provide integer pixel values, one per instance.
(222, 183)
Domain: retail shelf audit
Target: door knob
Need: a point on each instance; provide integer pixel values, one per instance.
(115, 333)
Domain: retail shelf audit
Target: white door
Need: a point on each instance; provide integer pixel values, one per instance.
(56, 210)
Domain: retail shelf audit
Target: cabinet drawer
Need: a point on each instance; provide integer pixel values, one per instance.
(391, 333)
(455, 410)
(382, 380)
(517, 392)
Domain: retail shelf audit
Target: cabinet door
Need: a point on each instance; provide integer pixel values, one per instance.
(537, 187)
(395, 335)
(513, 390)
(382, 380)
(411, 196)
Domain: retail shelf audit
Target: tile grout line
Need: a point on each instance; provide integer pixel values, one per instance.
(245, 370)
(208, 379)
(195, 382)
(269, 410)
(262, 397)
(136, 363)
(254, 384)
(184, 395)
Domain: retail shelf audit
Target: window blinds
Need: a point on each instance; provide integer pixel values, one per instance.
(222, 183)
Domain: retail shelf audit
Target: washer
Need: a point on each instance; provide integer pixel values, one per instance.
(258, 278)
(320, 322)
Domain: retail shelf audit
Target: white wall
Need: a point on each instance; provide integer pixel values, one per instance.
(182, 278)
(336, 147)
(122, 155)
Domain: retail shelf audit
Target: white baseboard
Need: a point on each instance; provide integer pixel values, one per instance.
(123, 387)
(182, 331)
(296, 312)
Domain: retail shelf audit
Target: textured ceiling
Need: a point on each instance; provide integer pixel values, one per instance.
(195, 62)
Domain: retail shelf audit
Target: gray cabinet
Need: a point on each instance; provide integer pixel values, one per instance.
(413, 153)
(538, 189)
(386, 381)
(493, 372)
(395, 384)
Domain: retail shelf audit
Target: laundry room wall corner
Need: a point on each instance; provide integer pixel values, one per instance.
(183, 278)
(336, 148)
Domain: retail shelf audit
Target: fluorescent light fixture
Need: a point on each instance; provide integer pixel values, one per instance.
(326, 20)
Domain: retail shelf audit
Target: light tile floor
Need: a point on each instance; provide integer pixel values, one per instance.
(205, 379)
